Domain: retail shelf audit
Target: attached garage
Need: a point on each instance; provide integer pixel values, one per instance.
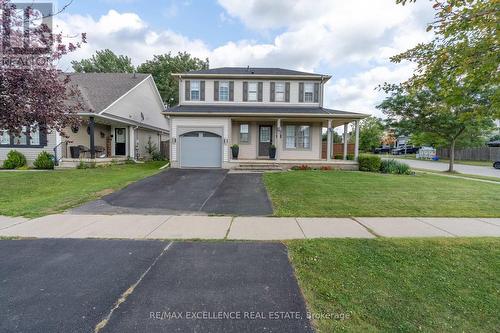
(200, 149)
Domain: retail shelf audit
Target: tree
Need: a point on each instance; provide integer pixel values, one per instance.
(371, 130)
(32, 91)
(163, 66)
(453, 92)
(104, 61)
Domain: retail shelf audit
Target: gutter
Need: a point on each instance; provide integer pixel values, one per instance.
(122, 120)
(274, 115)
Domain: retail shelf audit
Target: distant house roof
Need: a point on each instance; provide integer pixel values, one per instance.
(223, 110)
(100, 90)
(248, 71)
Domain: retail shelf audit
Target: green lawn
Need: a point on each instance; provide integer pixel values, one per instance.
(344, 193)
(466, 162)
(412, 285)
(32, 194)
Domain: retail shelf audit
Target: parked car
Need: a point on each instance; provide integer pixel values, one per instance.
(405, 150)
(382, 150)
(496, 165)
(494, 143)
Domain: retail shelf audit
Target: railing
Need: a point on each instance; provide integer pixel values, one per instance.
(56, 158)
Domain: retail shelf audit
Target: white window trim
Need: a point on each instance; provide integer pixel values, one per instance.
(221, 85)
(256, 91)
(311, 85)
(283, 84)
(248, 134)
(296, 137)
(191, 90)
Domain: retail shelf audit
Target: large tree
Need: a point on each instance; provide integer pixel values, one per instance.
(32, 90)
(371, 131)
(104, 61)
(453, 92)
(163, 66)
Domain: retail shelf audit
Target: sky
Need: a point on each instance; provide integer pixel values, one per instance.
(350, 40)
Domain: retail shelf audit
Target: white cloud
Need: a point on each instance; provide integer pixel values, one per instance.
(355, 38)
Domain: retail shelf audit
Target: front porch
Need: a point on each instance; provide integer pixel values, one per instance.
(277, 165)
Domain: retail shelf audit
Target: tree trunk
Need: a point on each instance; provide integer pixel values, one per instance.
(452, 156)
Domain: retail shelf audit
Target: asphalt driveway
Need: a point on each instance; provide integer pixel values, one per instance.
(74, 286)
(177, 191)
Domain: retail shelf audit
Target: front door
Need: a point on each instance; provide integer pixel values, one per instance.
(120, 141)
(265, 139)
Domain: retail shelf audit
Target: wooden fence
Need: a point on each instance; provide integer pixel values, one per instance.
(472, 154)
(338, 149)
(165, 149)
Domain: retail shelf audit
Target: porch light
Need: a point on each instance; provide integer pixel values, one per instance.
(174, 140)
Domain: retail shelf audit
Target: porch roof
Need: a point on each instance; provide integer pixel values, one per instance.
(265, 111)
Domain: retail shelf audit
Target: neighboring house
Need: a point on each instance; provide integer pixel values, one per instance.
(123, 111)
(257, 109)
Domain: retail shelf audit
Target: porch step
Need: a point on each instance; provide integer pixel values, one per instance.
(258, 167)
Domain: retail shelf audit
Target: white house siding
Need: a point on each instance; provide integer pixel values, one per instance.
(238, 93)
(32, 153)
(180, 125)
(142, 138)
(142, 99)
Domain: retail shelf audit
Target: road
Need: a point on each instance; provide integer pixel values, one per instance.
(462, 168)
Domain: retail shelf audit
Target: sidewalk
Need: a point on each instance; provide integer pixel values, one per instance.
(242, 228)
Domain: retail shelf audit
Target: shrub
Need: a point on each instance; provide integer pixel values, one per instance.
(325, 168)
(44, 161)
(350, 157)
(14, 160)
(395, 167)
(369, 163)
(157, 156)
(341, 157)
(85, 165)
(301, 167)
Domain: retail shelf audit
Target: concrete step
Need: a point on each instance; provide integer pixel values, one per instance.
(259, 167)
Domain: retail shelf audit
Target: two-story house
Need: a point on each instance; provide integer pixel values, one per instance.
(259, 109)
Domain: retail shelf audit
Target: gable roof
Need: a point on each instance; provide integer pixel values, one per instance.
(224, 110)
(252, 71)
(100, 90)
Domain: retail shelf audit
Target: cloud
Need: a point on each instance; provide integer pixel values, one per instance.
(354, 38)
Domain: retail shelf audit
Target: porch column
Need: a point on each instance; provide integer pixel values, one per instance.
(356, 142)
(278, 140)
(346, 128)
(131, 142)
(329, 141)
(91, 134)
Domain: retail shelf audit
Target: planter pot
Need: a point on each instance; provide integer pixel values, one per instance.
(235, 151)
(272, 153)
(75, 151)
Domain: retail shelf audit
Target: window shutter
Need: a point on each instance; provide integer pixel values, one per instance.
(272, 92)
(216, 90)
(316, 92)
(259, 91)
(231, 91)
(245, 91)
(202, 90)
(287, 91)
(187, 89)
(301, 92)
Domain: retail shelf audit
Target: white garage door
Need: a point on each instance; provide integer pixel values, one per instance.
(201, 150)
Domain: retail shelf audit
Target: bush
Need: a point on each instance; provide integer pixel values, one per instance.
(44, 161)
(157, 156)
(369, 163)
(14, 160)
(350, 157)
(395, 167)
(302, 167)
(85, 165)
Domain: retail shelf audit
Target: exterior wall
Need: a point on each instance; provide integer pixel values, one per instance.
(142, 137)
(142, 99)
(82, 138)
(238, 92)
(180, 125)
(32, 153)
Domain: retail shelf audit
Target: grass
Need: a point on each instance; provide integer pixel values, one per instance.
(412, 285)
(476, 163)
(343, 193)
(458, 174)
(33, 194)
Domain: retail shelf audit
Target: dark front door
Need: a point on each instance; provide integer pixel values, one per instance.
(265, 139)
(120, 141)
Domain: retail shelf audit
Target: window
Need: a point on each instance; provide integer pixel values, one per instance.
(308, 92)
(34, 136)
(244, 133)
(279, 92)
(298, 137)
(4, 138)
(252, 91)
(22, 138)
(195, 90)
(29, 136)
(224, 91)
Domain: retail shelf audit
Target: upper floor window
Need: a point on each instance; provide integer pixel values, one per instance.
(195, 90)
(224, 91)
(279, 92)
(308, 92)
(252, 91)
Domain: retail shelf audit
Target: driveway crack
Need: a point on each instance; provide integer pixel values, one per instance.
(129, 291)
(213, 192)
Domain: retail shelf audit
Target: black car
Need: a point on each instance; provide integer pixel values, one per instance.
(496, 165)
(405, 150)
(382, 150)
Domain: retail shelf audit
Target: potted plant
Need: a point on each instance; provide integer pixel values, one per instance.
(272, 152)
(235, 150)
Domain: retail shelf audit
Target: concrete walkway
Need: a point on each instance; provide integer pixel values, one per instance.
(242, 228)
(486, 171)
